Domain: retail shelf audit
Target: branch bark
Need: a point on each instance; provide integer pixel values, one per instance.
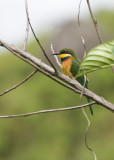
(47, 111)
(94, 22)
(49, 71)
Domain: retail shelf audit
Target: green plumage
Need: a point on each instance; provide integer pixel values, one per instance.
(75, 68)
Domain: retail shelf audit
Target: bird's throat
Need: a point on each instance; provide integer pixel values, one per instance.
(66, 66)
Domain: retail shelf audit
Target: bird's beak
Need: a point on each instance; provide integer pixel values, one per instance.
(57, 53)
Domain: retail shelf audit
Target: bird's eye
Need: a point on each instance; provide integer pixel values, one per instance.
(62, 52)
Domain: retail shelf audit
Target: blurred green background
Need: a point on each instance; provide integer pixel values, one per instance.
(59, 135)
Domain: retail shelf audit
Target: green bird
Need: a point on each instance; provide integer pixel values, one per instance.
(71, 67)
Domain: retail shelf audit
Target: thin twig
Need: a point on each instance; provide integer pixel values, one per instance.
(27, 26)
(85, 79)
(47, 111)
(20, 83)
(86, 131)
(88, 123)
(44, 52)
(80, 31)
(94, 22)
(56, 58)
(26, 37)
(83, 41)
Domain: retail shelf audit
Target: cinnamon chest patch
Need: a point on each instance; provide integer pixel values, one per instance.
(66, 65)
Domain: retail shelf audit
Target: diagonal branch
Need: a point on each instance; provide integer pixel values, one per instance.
(47, 111)
(20, 83)
(37, 40)
(45, 69)
(42, 47)
(94, 22)
(26, 37)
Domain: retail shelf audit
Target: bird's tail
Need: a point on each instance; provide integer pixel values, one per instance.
(81, 81)
(91, 110)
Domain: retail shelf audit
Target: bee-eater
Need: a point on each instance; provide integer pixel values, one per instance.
(71, 65)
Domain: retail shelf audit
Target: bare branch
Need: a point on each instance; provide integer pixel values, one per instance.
(94, 22)
(47, 70)
(56, 58)
(20, 83)
(27, 25)
(47, 111)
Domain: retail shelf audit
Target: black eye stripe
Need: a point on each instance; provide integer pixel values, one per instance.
(65, 52)
(62, 52)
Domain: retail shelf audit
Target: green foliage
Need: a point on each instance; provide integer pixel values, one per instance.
(99, 57)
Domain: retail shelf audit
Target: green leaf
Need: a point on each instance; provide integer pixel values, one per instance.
(102, 56)
(113, 50)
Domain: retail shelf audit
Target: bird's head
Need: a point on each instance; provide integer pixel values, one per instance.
(65, 53)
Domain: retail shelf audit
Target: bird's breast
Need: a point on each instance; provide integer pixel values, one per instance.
(66, 66)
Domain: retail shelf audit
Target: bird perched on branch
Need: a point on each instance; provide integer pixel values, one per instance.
(71, 67)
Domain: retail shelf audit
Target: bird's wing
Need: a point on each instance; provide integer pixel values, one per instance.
(75, 67)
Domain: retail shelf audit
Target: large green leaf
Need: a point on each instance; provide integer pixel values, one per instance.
(99, 57)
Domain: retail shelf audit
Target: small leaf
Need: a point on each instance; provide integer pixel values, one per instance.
(102, 56)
